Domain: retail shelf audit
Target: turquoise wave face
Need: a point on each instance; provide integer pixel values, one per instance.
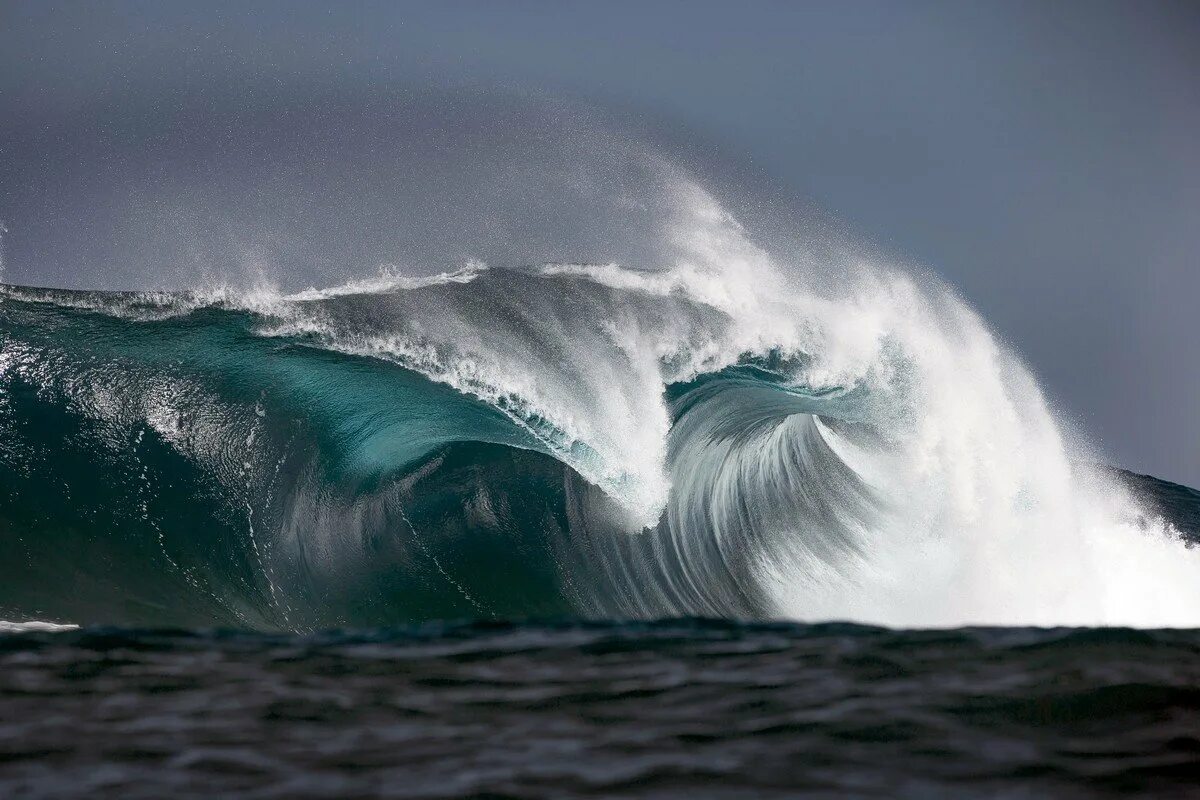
(166, 463)
(188, 471)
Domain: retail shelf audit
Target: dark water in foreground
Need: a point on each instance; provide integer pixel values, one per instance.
(672, 709)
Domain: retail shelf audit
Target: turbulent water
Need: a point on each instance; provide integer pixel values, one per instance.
(719, 438)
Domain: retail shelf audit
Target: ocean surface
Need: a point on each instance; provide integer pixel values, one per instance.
(236, 526)
(685, 708)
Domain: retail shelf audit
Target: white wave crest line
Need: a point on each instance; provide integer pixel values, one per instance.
(35, 626)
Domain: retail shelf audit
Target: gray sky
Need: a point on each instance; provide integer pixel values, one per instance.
(1042, 157)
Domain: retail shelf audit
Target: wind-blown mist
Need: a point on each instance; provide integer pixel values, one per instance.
(315, 187)
(581, 386)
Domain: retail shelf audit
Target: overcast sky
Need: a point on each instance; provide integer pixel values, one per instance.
(1042, 157)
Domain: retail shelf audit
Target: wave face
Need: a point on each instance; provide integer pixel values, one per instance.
(721, 437)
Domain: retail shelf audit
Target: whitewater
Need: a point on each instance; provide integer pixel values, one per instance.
(741, 432)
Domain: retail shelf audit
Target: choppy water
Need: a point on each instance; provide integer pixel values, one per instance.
(671, 709)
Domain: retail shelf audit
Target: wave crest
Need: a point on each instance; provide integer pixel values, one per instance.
(722, 437)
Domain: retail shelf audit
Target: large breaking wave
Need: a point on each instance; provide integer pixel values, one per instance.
(724, 436)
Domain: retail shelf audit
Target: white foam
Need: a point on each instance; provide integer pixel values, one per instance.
(988, 520)
(34, 626)
(391, 279)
